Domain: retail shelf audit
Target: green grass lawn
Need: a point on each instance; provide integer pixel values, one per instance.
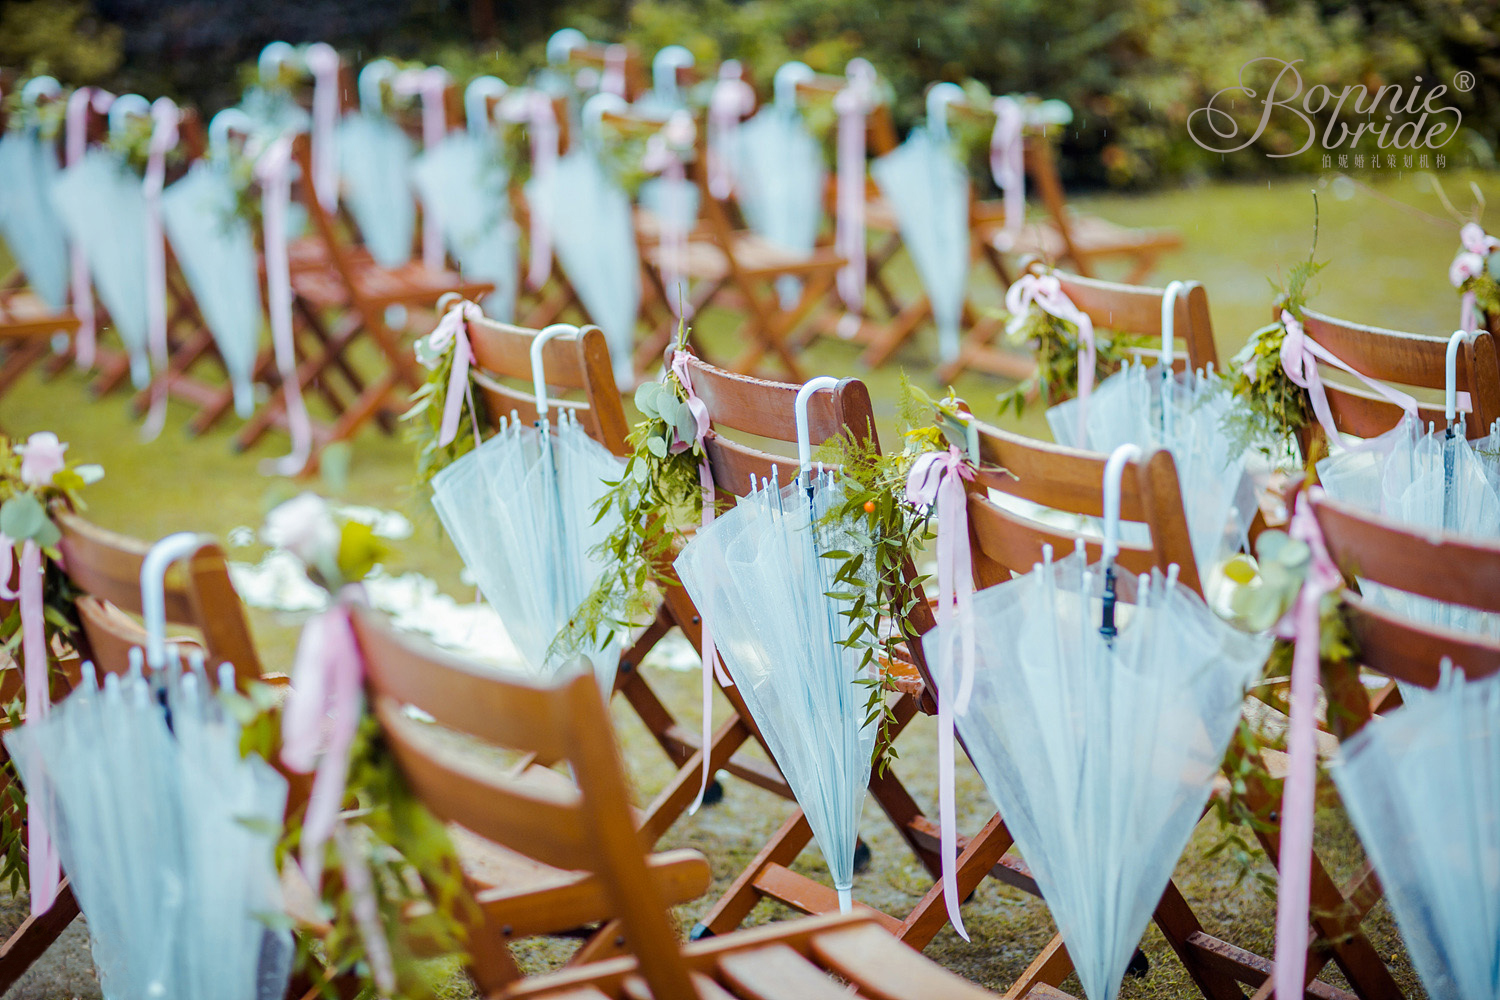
(1388, 266)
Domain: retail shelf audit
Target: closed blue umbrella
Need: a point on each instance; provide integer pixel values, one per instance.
(32, 230)
(375, 162)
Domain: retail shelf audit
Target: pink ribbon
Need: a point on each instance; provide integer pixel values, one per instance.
(76, 143)
(1470, 262)
(273, 169)
(732, 99)
(616, 57)
(42, 861)
(662, 157)
(1008, 167)
(711, 667)
(541, 121)
(937, 478)
(852, 104)
(164, 117)
(323, 61)
(432, 84)
(1045, 292)
(1300, 355)
(319, 722)
(452, 331)
(1302, 624)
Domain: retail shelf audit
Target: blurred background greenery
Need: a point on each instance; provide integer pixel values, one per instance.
(1133, 70)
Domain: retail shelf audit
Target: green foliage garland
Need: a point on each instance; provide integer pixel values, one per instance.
(1056, 345)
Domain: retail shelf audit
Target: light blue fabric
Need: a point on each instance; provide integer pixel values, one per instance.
(103, 210)
(375, 163)
(29, 223)
(1422, 788)
(779, 177)
(216, 250)
(466, 184)
(593, 234)
(929, 192)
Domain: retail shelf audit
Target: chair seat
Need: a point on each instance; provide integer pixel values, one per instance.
(409, 284)
(816, 958)
(22, 315)
(758, 258)
(1092, 237)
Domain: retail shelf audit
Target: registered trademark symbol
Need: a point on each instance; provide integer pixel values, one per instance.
(1463, 81)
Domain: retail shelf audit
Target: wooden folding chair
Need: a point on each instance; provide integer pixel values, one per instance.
(580, 362)
(1005, 540)
(366, 295)
(1129, 309)
(105, 569)
(1443, 567)
(584, 832)
(1408, 359)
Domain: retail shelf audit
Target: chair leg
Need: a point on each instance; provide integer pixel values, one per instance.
(35, 935)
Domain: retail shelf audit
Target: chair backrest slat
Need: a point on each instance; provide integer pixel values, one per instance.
(1136, 309)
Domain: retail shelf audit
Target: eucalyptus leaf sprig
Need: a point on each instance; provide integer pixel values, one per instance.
(1055, 343)
(1270, 407)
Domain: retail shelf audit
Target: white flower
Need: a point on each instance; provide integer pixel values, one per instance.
(41, 458)
(305, 527)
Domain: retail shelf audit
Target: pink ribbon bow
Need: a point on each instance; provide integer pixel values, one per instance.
(732, 99)
(43, 863)
(1045, 292)
(273, 170)
(1008, 167)
(612, 80)
(937, 478)
(662, 157)
(853, 104)
(452, 331)
(1302, 624)
(323, 61)
(164, 117)
(76, 143)
(1300, 355)
(711, 667)
(1476, 246)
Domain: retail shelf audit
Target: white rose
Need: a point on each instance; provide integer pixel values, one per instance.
(305, 527)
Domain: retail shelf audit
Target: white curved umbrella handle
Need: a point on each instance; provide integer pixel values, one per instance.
(154, 587)
(477, 102)
(226, 121)
(272, 58)
(538, 375)
(38, 87)
(1169, 321)
(664, 69)
(784, 84)
(938, 98)
(594, 110)
(562, 43)
(370, 79)
(804, 436)
(1114, 473)
(1450, 376)
(123, 107)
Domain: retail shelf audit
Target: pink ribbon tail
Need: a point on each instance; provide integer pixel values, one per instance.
(164, 116)
(273, 169)
(851, 103)
(1007, 166)
(1300, 355)
(76, 142)
(432, 84)
(454, 327)
(361, 886)
(1469, 318)
(43, 864)
(319, 723)
(1298, 792)
(938, 477)
(324, 63)
(543, 123)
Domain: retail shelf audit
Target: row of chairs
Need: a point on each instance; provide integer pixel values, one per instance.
(1045, 474)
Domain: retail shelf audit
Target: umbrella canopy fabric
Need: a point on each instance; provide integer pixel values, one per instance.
(758, 574)
(103, 209)
(928, 189)
(779, 179)
(29, 223)
(374, 161)
(1184, 414)
(274, 112)
(216, 250)
(1422, 788)
(464, 182)
(1100, 752)
(593, 232)
(520, 510)
(166, 834)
